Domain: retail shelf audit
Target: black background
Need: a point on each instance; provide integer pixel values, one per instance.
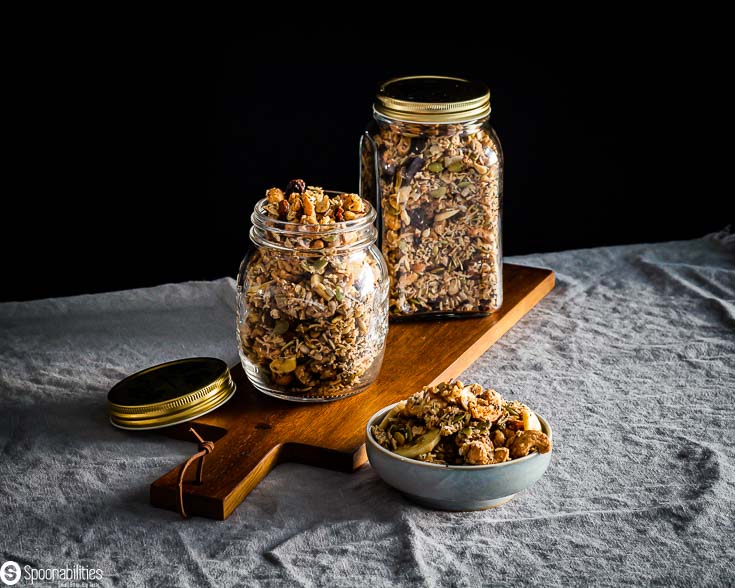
(143, 160)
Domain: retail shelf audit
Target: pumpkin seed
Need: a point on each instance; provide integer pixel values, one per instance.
(439, 192)
(436, 167)
(281, 327)
(314, 266)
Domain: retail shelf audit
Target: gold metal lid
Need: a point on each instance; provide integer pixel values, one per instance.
(436, 99)
(170, 393)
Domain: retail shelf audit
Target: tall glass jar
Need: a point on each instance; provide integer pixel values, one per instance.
(312, 307)
(432, 165)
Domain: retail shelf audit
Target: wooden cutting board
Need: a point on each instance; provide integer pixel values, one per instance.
(254, 432)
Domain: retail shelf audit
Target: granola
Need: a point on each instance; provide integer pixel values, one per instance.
(454, 424)
(440, 194)
(312, 295)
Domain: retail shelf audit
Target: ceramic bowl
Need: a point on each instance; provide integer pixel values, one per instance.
(451, 487)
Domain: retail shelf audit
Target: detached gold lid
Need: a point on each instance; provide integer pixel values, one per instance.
(170, 393)
(436, 99)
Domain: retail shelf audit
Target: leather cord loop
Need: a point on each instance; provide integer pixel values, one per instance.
(205, 448)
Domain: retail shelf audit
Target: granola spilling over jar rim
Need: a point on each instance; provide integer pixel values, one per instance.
(434, 166)
(312, 295)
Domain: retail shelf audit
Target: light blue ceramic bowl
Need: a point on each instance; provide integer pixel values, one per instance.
(450, 487)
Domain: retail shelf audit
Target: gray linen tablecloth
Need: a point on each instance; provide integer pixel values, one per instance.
(631, 358)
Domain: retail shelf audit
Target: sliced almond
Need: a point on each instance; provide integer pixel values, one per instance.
(445, 214)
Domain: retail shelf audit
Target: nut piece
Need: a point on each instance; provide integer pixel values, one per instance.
(527, 441)
(530, 420)
(444, 215)
(308, 205)
(353, 203)
(274, 195)
(500, 455)
(488, 406)
(404, 144)
(480, 452)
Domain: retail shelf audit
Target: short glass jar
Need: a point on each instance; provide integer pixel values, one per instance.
(312, 307)
(432, 165)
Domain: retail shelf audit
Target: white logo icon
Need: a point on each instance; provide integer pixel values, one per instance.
(10, 573)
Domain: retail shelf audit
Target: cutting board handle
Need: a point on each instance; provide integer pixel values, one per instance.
(231, 471)
(235, 467)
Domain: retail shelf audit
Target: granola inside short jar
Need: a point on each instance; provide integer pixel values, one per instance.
(432, 164)
(312, 295)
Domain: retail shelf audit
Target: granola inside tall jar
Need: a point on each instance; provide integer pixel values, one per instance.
(312, 295)
(432, 165)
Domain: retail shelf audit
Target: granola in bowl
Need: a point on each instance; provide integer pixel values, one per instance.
(456, 424)
(312, 295)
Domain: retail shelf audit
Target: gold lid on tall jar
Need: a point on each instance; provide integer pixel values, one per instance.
(170, 393)
(433, 99)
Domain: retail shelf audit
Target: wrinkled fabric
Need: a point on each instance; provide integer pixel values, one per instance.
(631, 359)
